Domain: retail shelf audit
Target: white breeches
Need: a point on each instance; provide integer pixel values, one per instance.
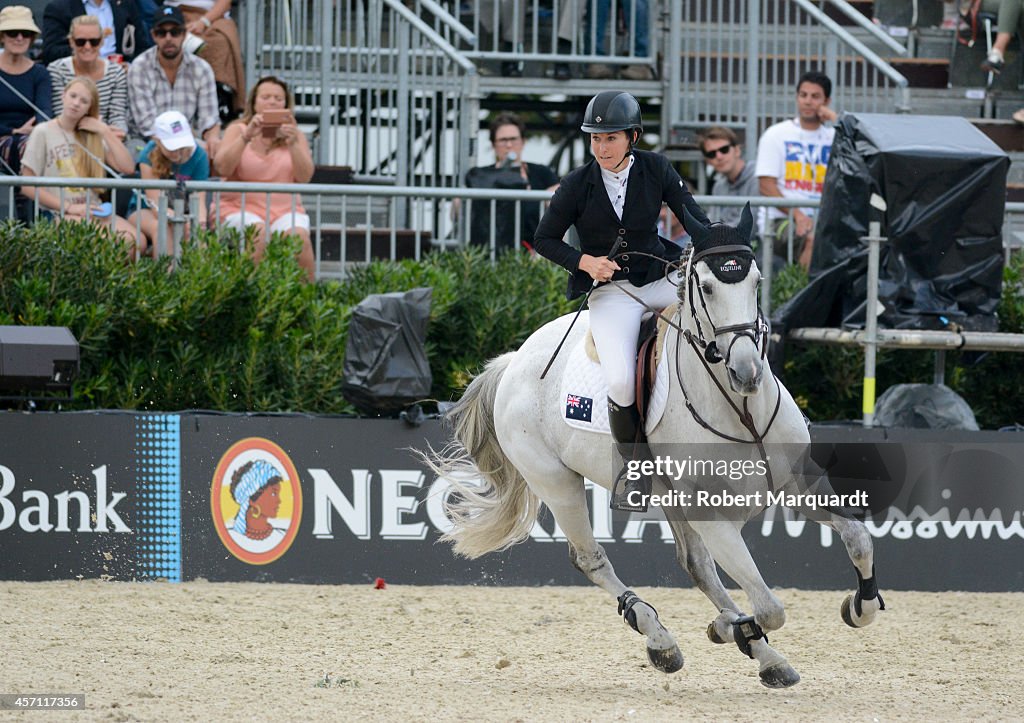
(615, 322)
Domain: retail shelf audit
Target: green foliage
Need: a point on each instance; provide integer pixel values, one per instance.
(786, 283)
(990, 381)
(219, 332)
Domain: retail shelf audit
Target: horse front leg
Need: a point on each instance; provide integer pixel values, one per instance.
(721, 541)
(568, 504)
(860, 608)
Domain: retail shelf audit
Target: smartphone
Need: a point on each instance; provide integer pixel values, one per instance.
(274, 119)
(102, 211)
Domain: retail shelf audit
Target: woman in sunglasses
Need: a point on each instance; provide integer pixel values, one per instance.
(85, 38)
(25, 90)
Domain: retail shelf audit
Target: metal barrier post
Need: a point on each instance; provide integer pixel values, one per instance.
(178, 225)
(161, 226)
(874, 240)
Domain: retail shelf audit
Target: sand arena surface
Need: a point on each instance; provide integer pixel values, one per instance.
(205, 651)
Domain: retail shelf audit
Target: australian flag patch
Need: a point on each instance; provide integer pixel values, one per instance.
(578, 408)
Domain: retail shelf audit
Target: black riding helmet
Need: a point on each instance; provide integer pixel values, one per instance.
(612, 110)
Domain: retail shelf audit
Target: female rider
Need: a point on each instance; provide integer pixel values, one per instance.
(615, 201)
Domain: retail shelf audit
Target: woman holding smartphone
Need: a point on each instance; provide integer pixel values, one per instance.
(266, 146)
(76, 144)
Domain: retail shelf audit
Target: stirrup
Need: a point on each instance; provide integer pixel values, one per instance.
(623, 487)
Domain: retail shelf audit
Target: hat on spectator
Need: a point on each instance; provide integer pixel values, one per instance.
(165, 14)
(172, 130)
(17, 17)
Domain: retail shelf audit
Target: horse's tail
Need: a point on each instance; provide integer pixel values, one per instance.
(490, 504)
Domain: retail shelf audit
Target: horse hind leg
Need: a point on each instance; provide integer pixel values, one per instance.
(731, 625)
(569, 507)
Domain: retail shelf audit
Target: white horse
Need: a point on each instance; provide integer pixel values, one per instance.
(514, 450)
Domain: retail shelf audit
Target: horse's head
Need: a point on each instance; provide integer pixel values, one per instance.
(720, 289)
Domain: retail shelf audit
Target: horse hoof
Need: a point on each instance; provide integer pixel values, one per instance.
(669, 660)
(847, 611)
(713, 635)
(779, 675)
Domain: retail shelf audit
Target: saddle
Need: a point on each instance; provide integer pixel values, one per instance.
(646, 364)
(647, 358)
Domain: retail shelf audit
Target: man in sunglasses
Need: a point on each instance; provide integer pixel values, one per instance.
(123, 33)
(166, 78)
(733, 176)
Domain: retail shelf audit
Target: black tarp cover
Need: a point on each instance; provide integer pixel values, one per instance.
(944, 183)
(386, 366)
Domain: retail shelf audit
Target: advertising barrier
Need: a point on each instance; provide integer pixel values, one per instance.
(291, 498)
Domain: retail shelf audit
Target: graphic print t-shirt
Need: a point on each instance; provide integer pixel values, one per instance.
(797, 159)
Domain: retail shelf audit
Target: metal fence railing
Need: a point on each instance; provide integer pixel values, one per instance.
(389, 96)
(351, 224)
(615, 32)
(740, 62)
(392, 89)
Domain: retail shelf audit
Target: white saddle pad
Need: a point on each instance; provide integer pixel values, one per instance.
(584, 394)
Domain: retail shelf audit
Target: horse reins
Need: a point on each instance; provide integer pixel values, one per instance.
(708, 353)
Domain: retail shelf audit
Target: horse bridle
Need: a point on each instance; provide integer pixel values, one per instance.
(705, 350)
(757, 330)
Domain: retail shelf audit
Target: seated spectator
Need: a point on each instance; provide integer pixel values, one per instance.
(85, 38)
(123, 34)
(260, 151)
(25, 86)
(168, 78)
(172, 154)
(510, 171)
(76, 144)
(733, 176)
(792, 159)
(210, 21)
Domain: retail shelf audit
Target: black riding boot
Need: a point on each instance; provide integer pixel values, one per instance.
(629, 440)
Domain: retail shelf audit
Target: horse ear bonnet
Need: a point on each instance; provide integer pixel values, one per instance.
(730, 267)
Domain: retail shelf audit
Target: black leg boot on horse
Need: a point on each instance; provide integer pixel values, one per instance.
(631, 489)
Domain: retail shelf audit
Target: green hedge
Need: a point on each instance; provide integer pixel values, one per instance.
(221, 333)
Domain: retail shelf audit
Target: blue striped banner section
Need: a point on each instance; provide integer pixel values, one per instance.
(158, 490)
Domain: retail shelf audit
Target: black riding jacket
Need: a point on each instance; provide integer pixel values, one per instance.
(581, 199)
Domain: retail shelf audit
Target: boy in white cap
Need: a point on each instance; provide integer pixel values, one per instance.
(172, 154)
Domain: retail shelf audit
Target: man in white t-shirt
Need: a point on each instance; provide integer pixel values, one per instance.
(792, 157)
